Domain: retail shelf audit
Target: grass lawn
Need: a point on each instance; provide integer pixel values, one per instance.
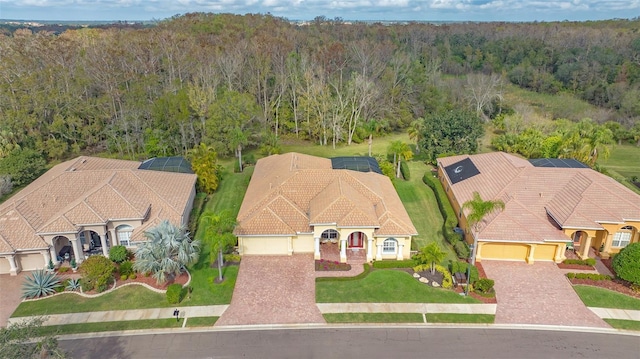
(604, 298)
(378, 146)
(373, 318)
(110, 326)
(460, 318)
(623, 324)
(546, 106)
(624, 159)
(385, 286)
(201, 321)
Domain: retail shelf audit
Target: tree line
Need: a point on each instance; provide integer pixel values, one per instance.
(231, 81)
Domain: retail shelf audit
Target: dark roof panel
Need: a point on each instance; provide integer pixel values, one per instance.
(557, 163)
(356, 163)
(461, 170)
(167, 164)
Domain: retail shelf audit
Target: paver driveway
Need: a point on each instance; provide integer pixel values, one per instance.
(274, 290)
(537, 294)
(10, 294)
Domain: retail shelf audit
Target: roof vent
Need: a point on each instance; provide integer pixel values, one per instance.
(72, 169)
(84, 160)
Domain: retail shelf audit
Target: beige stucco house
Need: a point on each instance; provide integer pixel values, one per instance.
(83, 206)
(550, 203)
(297, 203)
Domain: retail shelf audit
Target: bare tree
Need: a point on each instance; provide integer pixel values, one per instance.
(481, 91)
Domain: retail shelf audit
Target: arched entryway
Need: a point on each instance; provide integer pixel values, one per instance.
(62, 248)
(356, 240)
(578, 238)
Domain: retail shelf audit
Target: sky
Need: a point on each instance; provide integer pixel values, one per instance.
(384, 10)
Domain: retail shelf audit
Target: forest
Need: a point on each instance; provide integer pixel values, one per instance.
(247, 81)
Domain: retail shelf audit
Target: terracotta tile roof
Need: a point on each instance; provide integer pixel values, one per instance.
(89, 190)
(541, 200)
(309, 191)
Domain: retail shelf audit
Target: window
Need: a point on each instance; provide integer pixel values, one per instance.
(124, 235)
(329, 234)
(389, 246)
(622, 238)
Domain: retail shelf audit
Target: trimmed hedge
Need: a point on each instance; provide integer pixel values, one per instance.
(404, 170)
(450, 218)
(462, 268)
(407, 263)
(367, 270)
(592, 276)
(462, 249)
(174, 293)
(118, 253)
(484, 285)
(585, 262)
(626, 263)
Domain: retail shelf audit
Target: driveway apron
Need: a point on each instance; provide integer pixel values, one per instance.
(10, 295)
(537, 294)
(274, 290)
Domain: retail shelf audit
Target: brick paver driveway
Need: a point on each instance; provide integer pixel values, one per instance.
(274, 290)
(10, 293)
(537, 294)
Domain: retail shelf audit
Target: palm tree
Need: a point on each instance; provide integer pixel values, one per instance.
(219, 234)
(478, 209)
(400, 150)
(431, 254)
(415, 131)
(238, 140)
(167, 251)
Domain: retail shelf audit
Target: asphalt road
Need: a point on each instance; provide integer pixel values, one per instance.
(361, 342)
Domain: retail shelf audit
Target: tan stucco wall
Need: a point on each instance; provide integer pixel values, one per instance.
(604, 238)
(189, 206)
(30, 261)
(303, 243)
(264, 245)
(406, 250)
(5, 267)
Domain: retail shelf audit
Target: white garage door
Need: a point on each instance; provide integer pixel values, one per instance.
(30, 261)
(265, 246)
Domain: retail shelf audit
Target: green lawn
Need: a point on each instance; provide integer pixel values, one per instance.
(460, 318)
(110, 326)
(545, 106)
(379, 146)
(624, 159)
(624, 324)
(385, 286)
(604, 298)
(201, 321)
(373, 318)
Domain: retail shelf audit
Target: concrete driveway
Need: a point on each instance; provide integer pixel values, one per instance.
(537, 294)
(10, 295)
(274, 290)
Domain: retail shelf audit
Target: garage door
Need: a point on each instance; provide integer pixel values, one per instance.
(265, 246)
(5, 267)
(30, 261)
(545, 252)
(504, 251)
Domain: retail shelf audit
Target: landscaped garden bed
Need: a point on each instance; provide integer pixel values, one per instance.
(616, 285)
(578, 264)
(323, 265)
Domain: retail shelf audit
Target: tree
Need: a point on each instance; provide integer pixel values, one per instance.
(431, 254)
(219, 235)
(24, 340)
(482, 90)
(237, 140)
(23, 166)
(627, 263)
(416, 131)
(399, 150)
(204, 161)
(167, 251)
(451, 132)
(478, 210)
(97, 273)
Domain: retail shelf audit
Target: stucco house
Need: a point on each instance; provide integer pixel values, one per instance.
(86, 205)
(549, 203)
(297, 203)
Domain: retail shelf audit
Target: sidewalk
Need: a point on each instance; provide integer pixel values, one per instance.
(612, 313)
(217, 310)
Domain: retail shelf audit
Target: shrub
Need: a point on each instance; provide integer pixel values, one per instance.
(484, 285)
(571, 275)
(591, 276)
(323, 265)
(133, 276)
(590, 261)
(462, 268)
(627, 263)
(73, 263)
(231, 257)
(587, 262)
(126, 268)
(39, 284)
(97, 273)
(249, 159)
(123, 277)
(462, 249)
(407, 263)
(73, 284)
(63, 269)
(449, 215)
(404, 170)
(174, 293)
(447, 281)
(118, 254)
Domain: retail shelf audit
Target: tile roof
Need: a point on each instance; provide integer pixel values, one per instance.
(289, 193)
(90, 190)
(539, 201)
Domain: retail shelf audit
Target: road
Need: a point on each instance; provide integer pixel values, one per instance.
(361, 342)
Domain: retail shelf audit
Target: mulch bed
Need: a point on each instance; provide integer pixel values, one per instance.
(575, 266)
(608, 263)
(181, 279)
(474, 295)
(616, 285)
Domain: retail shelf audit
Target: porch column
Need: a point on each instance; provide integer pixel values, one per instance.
(103, 243)
(12, 263)
(379, 252)
(112, 236)
(77, 253)
(54, 256)
(369, 249)
(316, 246)
(584, 248)
(606, 252)
(400, 256)
(290, 246)
(532, 250)
(46, 255)
(559, 257)
(343, 250)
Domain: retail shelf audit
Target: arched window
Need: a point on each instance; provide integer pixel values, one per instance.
(623, 237)
(329, 235)
(389, 246)
(123, 233)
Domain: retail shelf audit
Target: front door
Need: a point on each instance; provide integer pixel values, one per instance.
(356, 240)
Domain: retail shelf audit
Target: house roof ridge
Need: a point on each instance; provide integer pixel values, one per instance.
(151, 189)
(124, 198)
